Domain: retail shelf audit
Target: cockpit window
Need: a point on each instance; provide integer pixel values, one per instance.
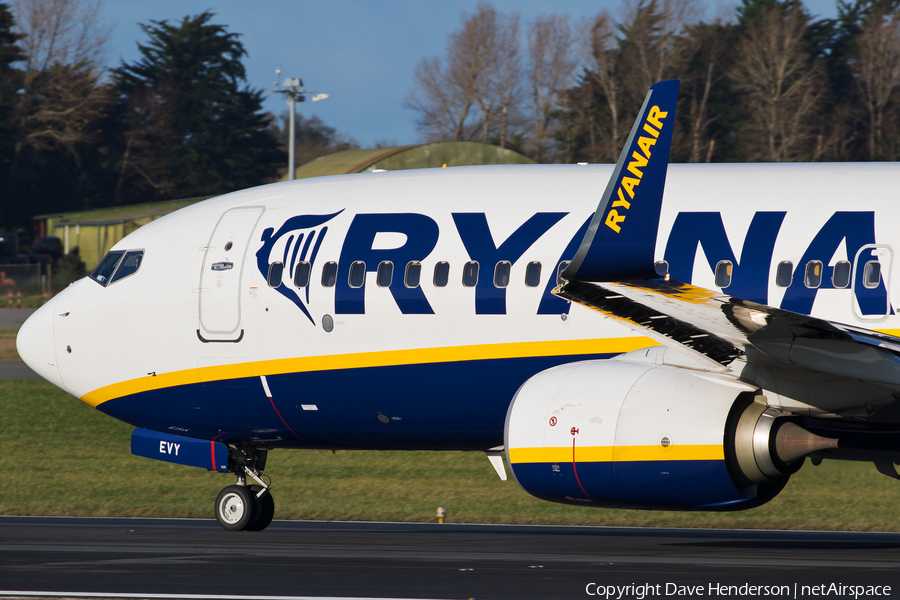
(129, 266)
(117, 265)
(107, 267)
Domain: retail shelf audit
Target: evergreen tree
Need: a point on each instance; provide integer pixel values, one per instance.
(10, 84)
(190, 126)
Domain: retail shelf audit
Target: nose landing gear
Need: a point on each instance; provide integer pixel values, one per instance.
(241, 507)
(235, 507)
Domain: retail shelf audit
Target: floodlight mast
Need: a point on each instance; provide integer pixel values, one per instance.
(292, 89)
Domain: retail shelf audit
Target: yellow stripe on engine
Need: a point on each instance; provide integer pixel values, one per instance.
(677, 452)
(388, 358)
(556, 454)
(617, 454)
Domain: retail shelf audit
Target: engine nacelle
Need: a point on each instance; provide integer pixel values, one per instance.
(624, 434)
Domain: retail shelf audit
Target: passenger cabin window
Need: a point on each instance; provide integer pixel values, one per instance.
(501, 274)
(470, 274)
(840, 277)
(533, 274)
(413, 274)
(385, 274)
(329, 274)
(129, 265)
(117, 265)
(559, 271)
(813, 278)
(276, 272)
(784, 274)
(357, 276)
(723, 273)
(872, 274)
(301, 274)
(441, 274)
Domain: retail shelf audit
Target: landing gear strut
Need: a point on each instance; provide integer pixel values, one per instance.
(241, 507)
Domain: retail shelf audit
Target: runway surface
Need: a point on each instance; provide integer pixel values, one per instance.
(396, 560)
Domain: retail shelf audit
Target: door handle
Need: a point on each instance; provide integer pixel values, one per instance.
(222, 266)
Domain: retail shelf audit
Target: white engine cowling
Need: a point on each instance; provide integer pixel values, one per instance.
(619, 433)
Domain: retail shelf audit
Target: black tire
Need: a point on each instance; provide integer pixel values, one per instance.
(266, 510)
(236, 507)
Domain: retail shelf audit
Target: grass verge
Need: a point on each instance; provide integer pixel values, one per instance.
(29, 301)
(8, 344)
(69, 459)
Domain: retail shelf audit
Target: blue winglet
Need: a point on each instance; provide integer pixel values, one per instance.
(620, 241)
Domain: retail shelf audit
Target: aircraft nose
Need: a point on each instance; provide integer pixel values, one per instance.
(36, 345)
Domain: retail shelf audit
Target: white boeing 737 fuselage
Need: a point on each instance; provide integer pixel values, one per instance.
(407, 310)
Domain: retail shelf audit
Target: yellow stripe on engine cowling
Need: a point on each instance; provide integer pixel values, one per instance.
(556, 454)
(677, 452)
(360, 360)
(617, 453)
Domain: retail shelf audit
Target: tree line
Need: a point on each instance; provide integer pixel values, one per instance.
(178, 122)
(767, 83)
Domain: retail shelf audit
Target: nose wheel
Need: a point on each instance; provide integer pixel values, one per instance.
(241, 507)
(266, 509)
(235, 507)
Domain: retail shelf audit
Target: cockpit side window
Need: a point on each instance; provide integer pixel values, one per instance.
(129, 265)
(107, 267)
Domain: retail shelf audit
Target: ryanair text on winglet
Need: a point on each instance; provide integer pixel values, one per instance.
(654, 117)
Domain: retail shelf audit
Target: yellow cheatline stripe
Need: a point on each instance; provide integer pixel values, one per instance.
(893, 332)
(360, 360)
(616, 454)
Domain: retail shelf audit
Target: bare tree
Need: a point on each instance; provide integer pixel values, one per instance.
(600, 54)
(68, 32)
(446, 95)
(781, 85)
(488, 55)
(473, 59)
(481, 74)
(878, 72)
(444, 104)
(63, 92)
(550, 67)
(505, 84)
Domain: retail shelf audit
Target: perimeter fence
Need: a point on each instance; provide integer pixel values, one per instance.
(28, 280)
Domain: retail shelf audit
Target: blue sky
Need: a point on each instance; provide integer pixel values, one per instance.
(362, 53)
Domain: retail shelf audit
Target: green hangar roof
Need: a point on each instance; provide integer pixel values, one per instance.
(420, 156)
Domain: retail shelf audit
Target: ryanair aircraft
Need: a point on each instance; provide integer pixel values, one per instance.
(678, 355)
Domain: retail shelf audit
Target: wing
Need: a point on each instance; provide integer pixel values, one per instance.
(613, 273)
(717, 329)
